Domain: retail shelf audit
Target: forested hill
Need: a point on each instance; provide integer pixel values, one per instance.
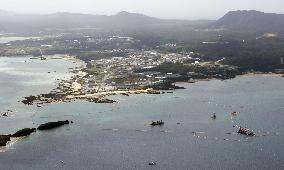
(251, 21)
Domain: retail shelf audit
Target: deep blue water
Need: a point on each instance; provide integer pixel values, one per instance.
(116, 136)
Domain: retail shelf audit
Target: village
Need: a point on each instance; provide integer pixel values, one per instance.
(140, 70)
(124, 73)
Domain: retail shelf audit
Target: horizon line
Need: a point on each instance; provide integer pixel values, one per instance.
(125, 11)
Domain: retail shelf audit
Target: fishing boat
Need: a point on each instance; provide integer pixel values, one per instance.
(157, 123)
(214, 116)
(246, 131)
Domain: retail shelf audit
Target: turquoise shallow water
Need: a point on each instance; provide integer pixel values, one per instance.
(21, 77)
(116, 136)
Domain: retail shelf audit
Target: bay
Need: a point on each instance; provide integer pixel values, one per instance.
(117, 136)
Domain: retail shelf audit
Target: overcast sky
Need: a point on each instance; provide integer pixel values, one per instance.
(172, 9)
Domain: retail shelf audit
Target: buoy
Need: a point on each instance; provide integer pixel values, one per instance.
(152, 163)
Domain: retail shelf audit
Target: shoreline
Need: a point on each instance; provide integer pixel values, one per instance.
(240, 75)
(260, 74)
(100, 97)
(70, 90)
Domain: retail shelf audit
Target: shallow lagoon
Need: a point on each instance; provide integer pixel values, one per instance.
(116, 136)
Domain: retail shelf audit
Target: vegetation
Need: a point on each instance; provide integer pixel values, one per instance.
(249, 49)
(179, 68)
(260, 55)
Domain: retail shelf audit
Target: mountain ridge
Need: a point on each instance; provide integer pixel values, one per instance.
(66, 20)
(251, 21)
(242, 21)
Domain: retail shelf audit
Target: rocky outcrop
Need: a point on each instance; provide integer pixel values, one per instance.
(30, 100)
(100, 100)
(166, 85)
(125, 94)
(105, 101)
(52, 125)
(4, 139)
(24, 132)
(157, 123)
(7, 113)
(46, 98)
(153, 92)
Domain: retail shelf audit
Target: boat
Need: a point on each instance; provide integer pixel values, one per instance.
(246, 131)
(191, 80)
(234, 113)
(157, 123)
(214, 116)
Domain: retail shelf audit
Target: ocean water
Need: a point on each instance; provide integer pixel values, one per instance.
(4, 39)
(117, 136)
(21, 77)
